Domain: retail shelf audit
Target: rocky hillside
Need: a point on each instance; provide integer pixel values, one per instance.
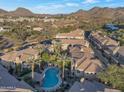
(18, 12)
(95, 14)
(21, 12)
(3, 12)
(102, 14)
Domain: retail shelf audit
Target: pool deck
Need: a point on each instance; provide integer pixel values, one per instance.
(57, 85)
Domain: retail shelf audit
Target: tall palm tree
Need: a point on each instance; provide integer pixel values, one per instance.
(39, 60)
(57, 47)
(18, 66)
(32, 68)
(32, 62)
(63, 58)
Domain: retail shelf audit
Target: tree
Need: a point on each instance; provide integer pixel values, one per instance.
(63, 60)
(33, 61)
(113, 76)
(57, 48)
(18, 69)
(45, 57)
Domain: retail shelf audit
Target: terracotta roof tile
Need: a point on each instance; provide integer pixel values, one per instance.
(23, 54)
(72, 41)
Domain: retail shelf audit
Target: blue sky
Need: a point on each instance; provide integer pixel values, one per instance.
(58, 6)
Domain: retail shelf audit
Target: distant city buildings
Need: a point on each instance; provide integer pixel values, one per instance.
(20, 19)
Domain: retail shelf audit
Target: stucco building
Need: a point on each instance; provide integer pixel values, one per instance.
(73, 38)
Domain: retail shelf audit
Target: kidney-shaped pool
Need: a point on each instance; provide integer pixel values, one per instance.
(51, 79)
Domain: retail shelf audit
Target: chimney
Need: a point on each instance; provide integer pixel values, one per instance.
(87, 44)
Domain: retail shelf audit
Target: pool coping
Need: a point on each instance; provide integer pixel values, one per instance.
(57, 85)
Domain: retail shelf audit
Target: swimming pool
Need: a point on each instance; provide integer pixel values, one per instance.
(51, 79)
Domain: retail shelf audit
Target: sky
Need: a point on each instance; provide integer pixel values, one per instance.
(58, 6)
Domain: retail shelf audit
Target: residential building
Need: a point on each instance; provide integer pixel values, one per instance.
(83, 62)
(9, 83)
(120, 55)
(103, 41)
(77, 34)
(66, 42)
(5, 28)
(22, 57)
(89, 66)
(105, 44)
(73, 38)
(1, 29)
(37, 29)
(90, 86)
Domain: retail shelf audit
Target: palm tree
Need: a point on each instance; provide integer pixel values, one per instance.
(57, 47)
(39, 60)
(32, 69)
(32, 62)
(63, 58)
(18, 66)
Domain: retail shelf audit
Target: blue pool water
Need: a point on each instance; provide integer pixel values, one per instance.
(51, 79)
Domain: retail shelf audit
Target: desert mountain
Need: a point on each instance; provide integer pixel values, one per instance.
(2, 12)
(94, 14)
(101, 14)
(21, 12)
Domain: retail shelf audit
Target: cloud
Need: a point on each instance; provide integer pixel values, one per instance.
(49, 6)
(72, 4)
(90, 1)
(56, 6)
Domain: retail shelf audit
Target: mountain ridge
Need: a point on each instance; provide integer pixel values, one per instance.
(95, 13)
